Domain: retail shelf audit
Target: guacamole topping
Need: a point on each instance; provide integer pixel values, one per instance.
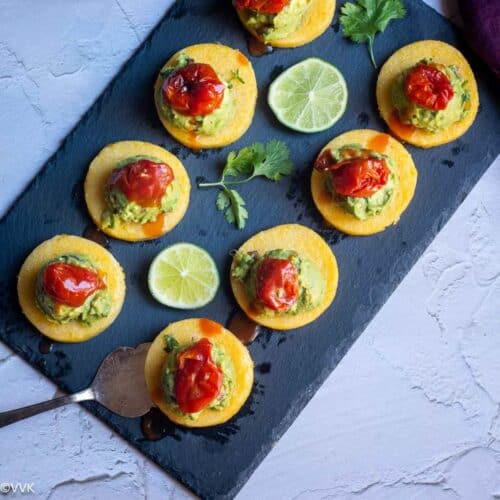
(277, 26)
(432, 120)
(207, 124)
(363, 207)
(221, 359)
(95, 306)
(122, 208)
(311, 282)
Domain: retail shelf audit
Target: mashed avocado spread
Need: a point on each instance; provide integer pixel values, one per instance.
(209, 124)
(364, 207)
(119, 206)
(221, 359)
(428, 119)
(311, 281)
(277, 26)
(95, 307)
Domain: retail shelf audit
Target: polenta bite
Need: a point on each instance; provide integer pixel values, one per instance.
(198, 373)
(284, 277)
(70, 288)
(285, 23)
(205, 95)
(363, 181)
(136, 190)
(427, 93)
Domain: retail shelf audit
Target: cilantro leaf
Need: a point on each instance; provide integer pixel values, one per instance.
(276, 162)
(362, 20)
(240, 163)
(271, 160)
(223, 201)
(232, 204)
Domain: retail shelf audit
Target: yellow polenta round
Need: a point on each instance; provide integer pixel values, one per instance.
(225, 61)
(406, 57)
(306, 243)
(186, 332)
(104, 262)
(407, 180)
(99, 171)
(316, 20)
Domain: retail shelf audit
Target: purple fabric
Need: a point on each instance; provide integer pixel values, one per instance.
(482, 29)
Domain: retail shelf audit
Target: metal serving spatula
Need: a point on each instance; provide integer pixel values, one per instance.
(119, 385)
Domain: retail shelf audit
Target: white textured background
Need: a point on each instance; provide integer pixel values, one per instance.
(411, 412)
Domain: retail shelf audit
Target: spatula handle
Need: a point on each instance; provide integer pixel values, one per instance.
(11, 416)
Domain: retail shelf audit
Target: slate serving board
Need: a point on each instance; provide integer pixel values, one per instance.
(216, 462)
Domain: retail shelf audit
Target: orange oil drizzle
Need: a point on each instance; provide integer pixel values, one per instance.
(154, 228)
(209, 327)
(378, 143)
(325, 196)
(157, 395)
(402, 130)
(193, 140)
(242, 59)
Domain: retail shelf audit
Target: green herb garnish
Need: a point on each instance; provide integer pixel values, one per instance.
(235, 76)
(362, 20)
(170, 343)
(271, 160)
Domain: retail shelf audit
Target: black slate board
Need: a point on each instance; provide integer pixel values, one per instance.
(216, 462)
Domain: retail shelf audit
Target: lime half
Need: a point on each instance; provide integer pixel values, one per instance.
(309, 97)
(183, 276)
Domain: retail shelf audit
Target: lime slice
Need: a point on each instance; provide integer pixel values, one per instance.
(309, 97)
(183, 276)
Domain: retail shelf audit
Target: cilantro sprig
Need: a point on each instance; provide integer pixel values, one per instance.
(271, 160)
(362, 20)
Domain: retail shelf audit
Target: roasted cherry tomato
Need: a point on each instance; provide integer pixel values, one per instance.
(264, 6)
(427, 86)
(69, 284)
(142, 181)
(198, 379)
(277, 284)
(194, 90)
(357, 177)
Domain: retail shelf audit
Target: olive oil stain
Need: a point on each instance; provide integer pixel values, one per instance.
(97, 236)
(244, 328)
(45, 346)
(155, 426)
(257, 48)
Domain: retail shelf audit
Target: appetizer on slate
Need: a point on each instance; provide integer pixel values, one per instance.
(136, 190)
(427, 93)
(198, 373)
(205, 95)
(284, 277)
(363, 181)
(70, 288)
(285, 23)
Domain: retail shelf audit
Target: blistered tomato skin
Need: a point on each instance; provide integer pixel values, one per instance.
(198, 379)
(356, 177)
(194, 90)
(427, 86)
(144, 181)
(69, 284)
(277, 284)
(262, 6)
